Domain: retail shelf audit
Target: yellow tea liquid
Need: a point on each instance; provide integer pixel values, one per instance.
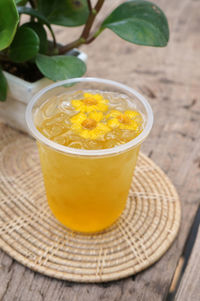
(88, 194)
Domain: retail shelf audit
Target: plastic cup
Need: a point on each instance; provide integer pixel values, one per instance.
(87, 189)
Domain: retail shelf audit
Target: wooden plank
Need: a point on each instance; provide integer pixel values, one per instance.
(169, 77)
(189, 288)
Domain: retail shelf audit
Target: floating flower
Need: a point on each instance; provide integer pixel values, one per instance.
(90, 102)
(89, 126)
(129, 120)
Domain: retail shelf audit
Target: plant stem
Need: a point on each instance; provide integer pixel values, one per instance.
(99, 5)
(53, 36)
(91, 18)
(86, 30)
(97, 33)
(89, 5)
(72, 45)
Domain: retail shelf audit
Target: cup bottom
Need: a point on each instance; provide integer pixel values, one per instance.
(88, 227)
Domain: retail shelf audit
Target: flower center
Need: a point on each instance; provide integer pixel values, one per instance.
(90, 101)
(124, 119)
(89, 124)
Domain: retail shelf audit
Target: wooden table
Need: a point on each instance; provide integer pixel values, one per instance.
(170, 79)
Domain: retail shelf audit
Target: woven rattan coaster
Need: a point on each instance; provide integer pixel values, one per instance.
(30, 234)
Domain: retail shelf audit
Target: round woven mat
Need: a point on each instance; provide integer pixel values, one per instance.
(30, 234)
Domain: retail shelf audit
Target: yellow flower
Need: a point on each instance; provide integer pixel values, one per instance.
(89, 126)
(90, 103)
(129, 120)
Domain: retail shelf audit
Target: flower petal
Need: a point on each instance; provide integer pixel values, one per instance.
(91, 108)
(114, 113)
(76, 103)
(97, 116)
(102, 129)
(113, 123)
(76, 127)
(85, 134)
(78, 118)
(131, 126)
(103, 100)
(102, 107)
(97, 97)
(131, 114)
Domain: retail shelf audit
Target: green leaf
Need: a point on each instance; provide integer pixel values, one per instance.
(21, 2)
(60, 67)
(25, 45)
(34, 13)
(139, 22)
(3, 86)
(39, 29)
(65, 12)
(9, 19)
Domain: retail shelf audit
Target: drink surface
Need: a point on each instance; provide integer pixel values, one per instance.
(89, 119)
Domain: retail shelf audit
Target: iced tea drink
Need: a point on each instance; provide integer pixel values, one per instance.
(85, 135)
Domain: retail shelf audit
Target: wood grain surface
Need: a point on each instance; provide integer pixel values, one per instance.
(169, 77)
(189, 288)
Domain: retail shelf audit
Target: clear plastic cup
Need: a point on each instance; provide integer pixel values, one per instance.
(87, 189)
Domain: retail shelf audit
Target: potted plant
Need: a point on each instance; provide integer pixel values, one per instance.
(29, 61)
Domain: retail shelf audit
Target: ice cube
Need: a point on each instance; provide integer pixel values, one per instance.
(60, 140)
(76, 144)
(91, 144)
(58, 118)
(56, 129)
(111, 135)
(49, 109)
(46, 131)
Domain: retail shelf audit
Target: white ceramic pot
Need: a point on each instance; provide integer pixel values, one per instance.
(12, 111)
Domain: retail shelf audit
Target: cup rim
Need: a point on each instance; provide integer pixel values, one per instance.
(82, 152)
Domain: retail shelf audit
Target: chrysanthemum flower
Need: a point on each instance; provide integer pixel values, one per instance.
(90, 102)
(129, 120)
(89, 126)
